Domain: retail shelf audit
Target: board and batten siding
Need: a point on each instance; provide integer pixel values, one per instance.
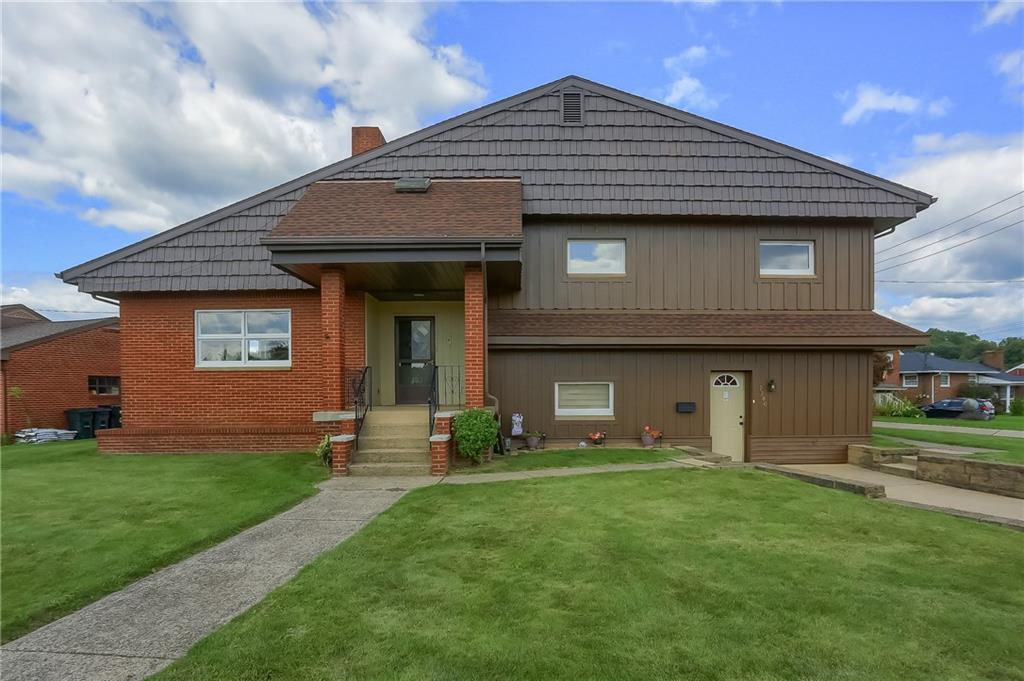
(695, 266)
(822, 401)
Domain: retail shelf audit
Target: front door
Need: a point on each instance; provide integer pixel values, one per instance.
(414, 359)
(728, 413)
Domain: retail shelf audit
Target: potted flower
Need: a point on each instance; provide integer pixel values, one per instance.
(533, 439)
(650, 436)
(597, 437)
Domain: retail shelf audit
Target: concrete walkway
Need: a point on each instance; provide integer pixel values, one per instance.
(949, 429)
(473, 478)
(927, 494)
(137, 631)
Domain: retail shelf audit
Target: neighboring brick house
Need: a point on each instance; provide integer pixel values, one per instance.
(925, 377)
(47, 367)
(577, 254)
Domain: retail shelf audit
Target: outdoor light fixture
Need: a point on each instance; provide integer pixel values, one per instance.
(771, 385)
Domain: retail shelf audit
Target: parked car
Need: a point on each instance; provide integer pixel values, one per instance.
(954, 408)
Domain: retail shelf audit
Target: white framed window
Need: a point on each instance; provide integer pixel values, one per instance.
(584, 398)
(596, 257)
(104, 385)
(943, 380)
(243, 338)
(909, 380)
(972, 379)
(786, 258)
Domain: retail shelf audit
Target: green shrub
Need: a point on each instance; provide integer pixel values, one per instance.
(978, 392)
(476, 431)
(896, 406)
(323, 451)
(1017, 407)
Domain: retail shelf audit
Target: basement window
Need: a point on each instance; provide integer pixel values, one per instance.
(786, 258)
(105, 385)
(909, 380)
(243, 338)
(582, 399)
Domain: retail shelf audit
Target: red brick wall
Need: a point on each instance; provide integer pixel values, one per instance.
(355, 329)
(53, 376)
(922, 394)
(192, 439)
(332, 366)
(474, 311)
(161, 386)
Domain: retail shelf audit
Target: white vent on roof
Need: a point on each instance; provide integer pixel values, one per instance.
(572, 107)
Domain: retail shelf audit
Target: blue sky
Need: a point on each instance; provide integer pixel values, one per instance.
(176, 110)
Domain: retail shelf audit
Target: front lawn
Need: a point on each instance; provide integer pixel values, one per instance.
(563, 458)
(1012, 448)
(78, 525)
(997, 422)
(680, 574)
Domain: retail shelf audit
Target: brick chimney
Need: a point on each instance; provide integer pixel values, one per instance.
(366, 137)
(893, 375)
(993, 358)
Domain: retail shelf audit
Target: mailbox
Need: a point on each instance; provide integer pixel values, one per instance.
(686, 407)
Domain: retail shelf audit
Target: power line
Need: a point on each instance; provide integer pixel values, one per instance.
(1002, 328)
(962, 243)
(980, 210)
(950, 236)
(951, 281)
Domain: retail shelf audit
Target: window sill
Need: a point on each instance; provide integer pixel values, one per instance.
(245, 368)
(610, 419)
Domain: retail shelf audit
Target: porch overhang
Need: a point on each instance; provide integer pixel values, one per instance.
(389, 267)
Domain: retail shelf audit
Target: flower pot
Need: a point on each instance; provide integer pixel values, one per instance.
(532, 441)
(648, 440)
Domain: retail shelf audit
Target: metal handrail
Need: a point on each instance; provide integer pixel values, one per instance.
(362, 398)
(432, 400)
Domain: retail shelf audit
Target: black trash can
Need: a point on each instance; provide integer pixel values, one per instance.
(115, 415)
(100, 418)
(80, 421)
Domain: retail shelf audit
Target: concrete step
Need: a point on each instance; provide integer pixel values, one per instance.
(406, 430)
(416, 416)
(398, 442)
(389, 469)
(906, 470)
(363, 455)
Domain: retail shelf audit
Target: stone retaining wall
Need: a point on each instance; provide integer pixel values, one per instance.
(985, 476)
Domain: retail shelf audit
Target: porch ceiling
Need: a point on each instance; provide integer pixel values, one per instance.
(413, 280)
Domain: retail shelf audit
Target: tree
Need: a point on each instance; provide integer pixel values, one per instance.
(970, 347)
(881, 364)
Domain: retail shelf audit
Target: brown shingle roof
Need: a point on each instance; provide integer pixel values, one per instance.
(757, 325)
(449, 208)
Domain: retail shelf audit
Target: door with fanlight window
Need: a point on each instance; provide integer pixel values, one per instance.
(728, 413)
(414, 359)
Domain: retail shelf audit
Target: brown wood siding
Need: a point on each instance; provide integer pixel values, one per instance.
(822, 399)
(695, 266)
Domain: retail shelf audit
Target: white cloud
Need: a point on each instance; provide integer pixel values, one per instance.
(160, 113)
(966, 172)
(686, 90)
(939, 107)
(1002, 11)
(1010, 65)
(869, 99)
(56, 300)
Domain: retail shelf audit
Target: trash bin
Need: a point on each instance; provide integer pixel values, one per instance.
(115, 415)
(100, 418)
(80, 421)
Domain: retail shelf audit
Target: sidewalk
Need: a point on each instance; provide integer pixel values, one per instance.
(949, 429)
(138, 631)
(930, 494)
(472, 478)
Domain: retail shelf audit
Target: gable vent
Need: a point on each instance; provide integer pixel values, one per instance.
(572, 107)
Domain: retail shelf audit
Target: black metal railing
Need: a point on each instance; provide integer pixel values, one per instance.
(361, 386)
(445, 389)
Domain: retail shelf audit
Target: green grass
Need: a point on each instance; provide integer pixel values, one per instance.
(562, 458)
(78, 525)
(1012, 449)
(998, 422)
(720, 575)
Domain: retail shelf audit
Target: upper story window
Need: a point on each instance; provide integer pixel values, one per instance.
(786, 258)
(243, 338)
(105, 385)
(909, 380)
(596, 257)
(943, 380)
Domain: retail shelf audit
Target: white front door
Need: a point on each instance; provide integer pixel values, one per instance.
(728, 412)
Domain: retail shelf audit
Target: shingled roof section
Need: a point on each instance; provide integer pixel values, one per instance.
(631, 156)
(14, 337)
(448, 208)
(740, 325)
